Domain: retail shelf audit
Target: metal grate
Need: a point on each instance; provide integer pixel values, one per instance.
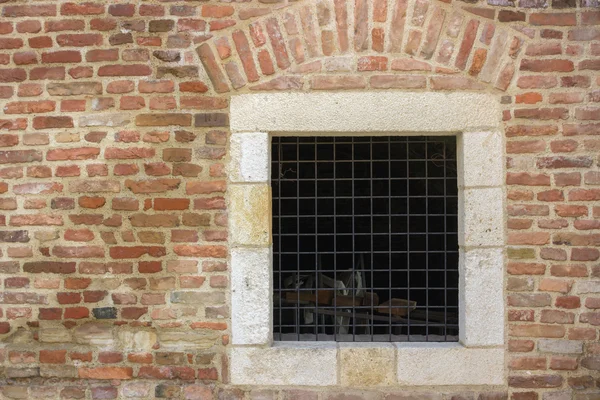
(365, 238)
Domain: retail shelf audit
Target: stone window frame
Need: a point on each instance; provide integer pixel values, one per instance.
(478, 357)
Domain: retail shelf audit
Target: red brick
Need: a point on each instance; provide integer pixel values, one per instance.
(195, 87)
(40, 42)
(201, 251)
(537, 82)
(455, 83)
(28, 26)
(372, 63)
(568, 302)
(277, 43)
(77, 313)
(557, 317)
(584, 194)
(79, 40)
(140, 358)
(528, 238)
(528, 98)
(42, 10)
(53, 356)
(520, 346)
(83, 357)
(584, 254)
(216, 11)
(164, 86)
(557, 19)
(87, 8)
(515, 268)
(569, 270)
(121, 10)
(245, 54)
(528, 363)
(467, 44)
(122, 252)
(265, 62)
(50, 313)
(64, 25)
(524, 178)
(337, 82)
(102, 55)
(120, 87)
(542, 113)
(563, 363)
(106, 373)
(212, 67)
(125, 70)
(582, 334)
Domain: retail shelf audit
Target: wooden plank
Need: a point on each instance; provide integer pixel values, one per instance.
(399, 307)
(327, 297)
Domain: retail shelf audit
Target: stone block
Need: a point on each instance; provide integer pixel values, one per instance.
(449, 364)
(481, 297)
(480, 159)
(23, 336)
(198, 298)
(588, 287)
(363, 112)
(137, 340)
(560, 346)
(251, 291)
(187, 340)
(32, 372)
(298, 364)
(367, 364)
(557, 396)
(54, 334)
(58, 371)
(93, 333)
(482, 222)
(110, 120)
(250, 215)
(249, 154)
(136, 390)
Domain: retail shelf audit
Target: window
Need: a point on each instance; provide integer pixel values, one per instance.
(473, 120)
(365, 241)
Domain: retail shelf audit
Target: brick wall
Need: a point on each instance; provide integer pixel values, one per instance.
(114, 132)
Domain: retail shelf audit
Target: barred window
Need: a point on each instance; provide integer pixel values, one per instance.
(365, 241)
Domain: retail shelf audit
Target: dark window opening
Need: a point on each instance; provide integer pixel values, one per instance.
(365, 238)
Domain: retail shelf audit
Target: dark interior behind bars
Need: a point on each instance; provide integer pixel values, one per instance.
(365, 238)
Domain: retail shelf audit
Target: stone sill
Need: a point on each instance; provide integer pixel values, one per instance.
(366, 364)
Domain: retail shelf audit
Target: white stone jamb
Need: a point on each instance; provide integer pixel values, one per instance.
(481, 235)
(250, 239)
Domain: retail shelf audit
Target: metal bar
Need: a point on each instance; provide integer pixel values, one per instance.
(298, 229)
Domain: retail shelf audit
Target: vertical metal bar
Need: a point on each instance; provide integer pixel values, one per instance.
(316, 316)
(408, 333)
(353, 165)
(426, 146)
(335, 243)
(280, 250)
(444, 161)
(371, 290)
(390, 234)
(298, 230)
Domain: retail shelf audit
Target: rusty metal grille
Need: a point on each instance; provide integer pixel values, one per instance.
(365, 238)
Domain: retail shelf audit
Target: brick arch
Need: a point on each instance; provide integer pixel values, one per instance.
(356, 44)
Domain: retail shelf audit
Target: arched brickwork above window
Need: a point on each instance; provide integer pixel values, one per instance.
(373, 44)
